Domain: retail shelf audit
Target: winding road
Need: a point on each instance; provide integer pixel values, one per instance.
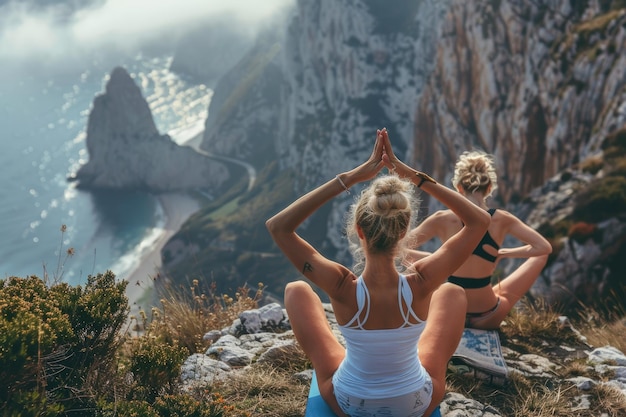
(196, 140)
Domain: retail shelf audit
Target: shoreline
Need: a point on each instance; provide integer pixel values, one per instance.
(177, 208)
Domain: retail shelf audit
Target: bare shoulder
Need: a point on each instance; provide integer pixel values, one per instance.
(344, 288)
(418, 284)
(504, 215)
(445, 215)
(504, 219)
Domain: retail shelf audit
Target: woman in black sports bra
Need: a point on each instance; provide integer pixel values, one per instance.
(487, 305)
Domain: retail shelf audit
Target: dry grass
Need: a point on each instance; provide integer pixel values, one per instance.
(265, 390)
(536, 329)
(610, 401)
(270, 389)
(186, 315)
(607, 328)
(607, 333)
(521, 396)
(529, 325)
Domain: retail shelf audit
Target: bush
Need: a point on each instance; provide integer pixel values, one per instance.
(155, 367)
(131, 408)
(64, 351)
(601, 200)
(58, 343)
(32, 328)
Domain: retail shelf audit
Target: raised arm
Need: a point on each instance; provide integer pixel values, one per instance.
(436, 268)
(326, 274)
(431, 227)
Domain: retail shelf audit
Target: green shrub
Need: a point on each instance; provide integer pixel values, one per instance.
(32, 326)
(58, 344)
(30, 404)
(155, 367)
(179, 405)
(601, 199)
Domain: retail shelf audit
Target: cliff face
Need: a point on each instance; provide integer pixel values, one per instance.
(539, 84)
(127, 152)
(245, 110)
(342, 70)
(313, 96)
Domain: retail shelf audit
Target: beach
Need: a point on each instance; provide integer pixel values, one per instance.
(177, 208)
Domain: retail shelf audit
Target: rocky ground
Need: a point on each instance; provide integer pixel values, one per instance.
(547, 369)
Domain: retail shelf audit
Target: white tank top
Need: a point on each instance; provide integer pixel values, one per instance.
(381, 363)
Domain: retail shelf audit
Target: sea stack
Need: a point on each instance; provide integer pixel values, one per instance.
(126, 151)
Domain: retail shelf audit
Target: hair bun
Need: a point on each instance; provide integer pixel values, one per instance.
(475, 171)
(388, 197)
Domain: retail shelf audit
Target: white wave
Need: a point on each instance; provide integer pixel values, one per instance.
(131, 260)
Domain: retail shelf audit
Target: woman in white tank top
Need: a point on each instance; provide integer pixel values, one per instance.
(400, 330)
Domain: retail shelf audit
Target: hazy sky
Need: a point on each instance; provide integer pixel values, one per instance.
(49, 34)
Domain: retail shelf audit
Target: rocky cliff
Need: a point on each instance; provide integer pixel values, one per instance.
(312, 95)
(245, 111)
(127, 152)
(540, 84)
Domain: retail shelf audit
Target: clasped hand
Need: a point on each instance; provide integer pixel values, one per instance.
(382, 157)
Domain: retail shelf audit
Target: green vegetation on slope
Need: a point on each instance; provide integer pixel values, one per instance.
(233, 246)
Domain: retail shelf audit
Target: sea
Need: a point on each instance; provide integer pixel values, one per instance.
(48, 228)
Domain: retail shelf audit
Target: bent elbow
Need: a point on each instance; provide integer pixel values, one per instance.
(548, 249)
(270, 225)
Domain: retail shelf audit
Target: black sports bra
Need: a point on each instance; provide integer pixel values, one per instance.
(487, 240)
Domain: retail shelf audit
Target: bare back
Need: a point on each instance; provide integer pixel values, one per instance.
(444, 224)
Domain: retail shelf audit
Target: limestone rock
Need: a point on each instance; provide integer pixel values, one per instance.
(127, 152)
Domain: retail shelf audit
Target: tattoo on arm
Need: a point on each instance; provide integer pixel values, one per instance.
(307, 267)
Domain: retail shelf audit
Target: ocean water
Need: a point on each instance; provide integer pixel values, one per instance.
(43, 119)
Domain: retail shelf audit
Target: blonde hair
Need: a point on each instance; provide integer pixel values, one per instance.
(384, 212)
(475, 172)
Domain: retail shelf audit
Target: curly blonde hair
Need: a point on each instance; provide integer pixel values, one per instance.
(384, 212)
(475, 172)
